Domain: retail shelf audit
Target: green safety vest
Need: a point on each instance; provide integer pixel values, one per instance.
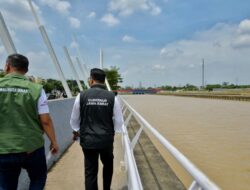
(20, 128)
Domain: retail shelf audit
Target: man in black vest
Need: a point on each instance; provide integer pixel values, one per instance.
(96, 116)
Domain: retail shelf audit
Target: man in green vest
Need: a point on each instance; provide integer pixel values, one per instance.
(24, 117)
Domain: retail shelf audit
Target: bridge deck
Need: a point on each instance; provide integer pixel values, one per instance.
(68, 173)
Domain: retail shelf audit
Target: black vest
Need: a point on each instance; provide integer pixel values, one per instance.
(96, 126)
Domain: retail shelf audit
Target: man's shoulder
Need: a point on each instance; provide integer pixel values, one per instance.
(104, 91)
(3, 79)
(37, 87)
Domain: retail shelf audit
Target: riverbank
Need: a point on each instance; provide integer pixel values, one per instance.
(238, 96)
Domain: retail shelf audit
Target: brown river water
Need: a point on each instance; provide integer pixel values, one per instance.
(213, 134)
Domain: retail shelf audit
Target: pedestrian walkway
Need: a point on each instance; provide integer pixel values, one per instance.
(68, 172)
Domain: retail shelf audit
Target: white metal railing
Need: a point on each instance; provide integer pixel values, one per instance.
(200, 180)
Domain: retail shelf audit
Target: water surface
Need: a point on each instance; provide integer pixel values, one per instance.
(213, 134)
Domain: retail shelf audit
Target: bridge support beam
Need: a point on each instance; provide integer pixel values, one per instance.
(51, 51)
(66, 52)
(5, 36)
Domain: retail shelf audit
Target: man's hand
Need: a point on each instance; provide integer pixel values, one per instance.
(54, 148)
(48, 128)
(75, 135)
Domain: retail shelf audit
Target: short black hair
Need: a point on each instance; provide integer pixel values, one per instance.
(98, 75)
(18, 61)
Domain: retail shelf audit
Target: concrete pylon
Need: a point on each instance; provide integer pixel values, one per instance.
(51, 51)
(6, 38)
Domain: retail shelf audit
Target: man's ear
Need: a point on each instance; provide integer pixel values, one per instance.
(26, 71)
(90, 82)
(7, 68)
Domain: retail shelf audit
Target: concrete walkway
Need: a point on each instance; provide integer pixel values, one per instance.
(68, 173)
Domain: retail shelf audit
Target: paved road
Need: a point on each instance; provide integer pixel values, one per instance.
(68, 173)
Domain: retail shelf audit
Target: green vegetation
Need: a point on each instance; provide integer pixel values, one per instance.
(113, 77)
(52, 85)
(225, 85)
(187, 87)
(209, 87)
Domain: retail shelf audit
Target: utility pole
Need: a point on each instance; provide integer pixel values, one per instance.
(140, 85)
(51, 51)
(203, 74)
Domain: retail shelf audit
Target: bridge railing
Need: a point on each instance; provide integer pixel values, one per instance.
(200, 180)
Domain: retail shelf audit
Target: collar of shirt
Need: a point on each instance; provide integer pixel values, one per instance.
(98, 86)
(16, 75)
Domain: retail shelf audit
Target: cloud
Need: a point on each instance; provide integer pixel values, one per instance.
(191, 65)
(208, 43)
(74, 44)
(159, 67)
(74, 22)
(126, 8)
(180, 62)
(59, 5)
(155, 10)
(171, 53)
(39, 64)
(117, 56)
(242, 41)
(128, 39)
(17, 14)
(110, 20)
(92, 14)
(244, 27)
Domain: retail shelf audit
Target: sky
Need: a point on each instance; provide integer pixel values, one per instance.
(153, 42)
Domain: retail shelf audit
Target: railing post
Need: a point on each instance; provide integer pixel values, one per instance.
(194, 186)
(128, 119)
(135, 139)
(201, 181)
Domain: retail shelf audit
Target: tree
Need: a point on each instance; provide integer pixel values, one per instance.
(190, 87)
(52, 84)
(210, 87)
(113, 77)
(73, 86)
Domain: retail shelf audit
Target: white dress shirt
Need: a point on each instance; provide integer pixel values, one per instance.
(117, 116)
(42, 104)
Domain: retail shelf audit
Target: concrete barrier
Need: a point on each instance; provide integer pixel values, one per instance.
(60, 111)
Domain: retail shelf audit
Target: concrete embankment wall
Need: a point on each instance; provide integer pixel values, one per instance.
(60, 111)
